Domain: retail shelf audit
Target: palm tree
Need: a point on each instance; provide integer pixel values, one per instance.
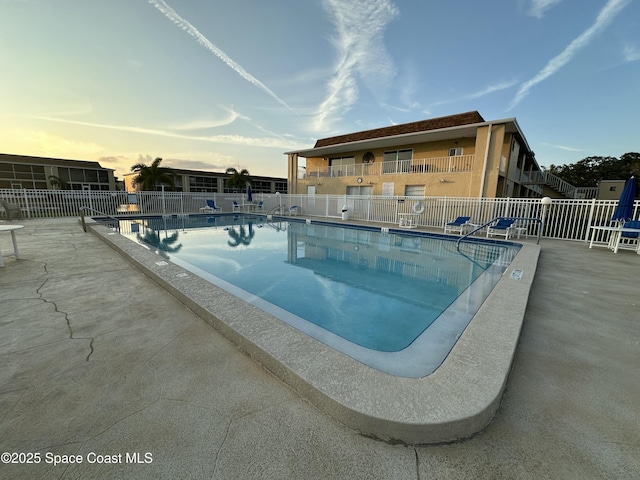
(238, 179)
(59, 183)
(149, 177)
(160, 246)
(241, 237)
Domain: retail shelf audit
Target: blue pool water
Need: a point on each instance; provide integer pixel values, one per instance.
(356, 289)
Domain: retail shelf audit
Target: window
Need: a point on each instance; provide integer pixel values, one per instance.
(613, 189)
(455, 152)
(397, 161)
(360, 190)
(414, 191)
(341, 166)
(77, 175)
(91, 176)
(261, 186)
(202, 184)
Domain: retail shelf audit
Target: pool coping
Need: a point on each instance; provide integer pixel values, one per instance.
(456, 401)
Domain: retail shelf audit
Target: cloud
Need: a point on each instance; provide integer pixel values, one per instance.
(630, 53)
(605, 17)
(202, 40)
(538, 7)
(360, 25)
(198, 164)
(132, 62)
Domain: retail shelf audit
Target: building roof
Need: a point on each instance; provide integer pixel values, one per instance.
(430, 130)
(206, 173)
(55, 162)
(413, 127)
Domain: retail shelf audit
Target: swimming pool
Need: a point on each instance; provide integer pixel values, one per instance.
(395, 301)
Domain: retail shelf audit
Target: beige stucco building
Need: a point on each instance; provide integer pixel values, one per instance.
(459, 155)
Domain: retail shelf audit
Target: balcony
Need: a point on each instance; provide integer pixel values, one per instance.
(460, 163)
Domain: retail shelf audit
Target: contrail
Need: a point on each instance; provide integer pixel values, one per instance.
(278, 142)
(606, 15)
(472, 96)
(202, 40)
(538, 7)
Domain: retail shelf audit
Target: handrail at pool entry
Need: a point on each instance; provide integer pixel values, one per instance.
(539, 220)
(89, 209)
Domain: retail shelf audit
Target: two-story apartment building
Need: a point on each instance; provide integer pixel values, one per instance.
(212, 182)
(24, 171)
(458, 155)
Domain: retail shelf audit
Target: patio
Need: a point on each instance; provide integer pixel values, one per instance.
(98, 359)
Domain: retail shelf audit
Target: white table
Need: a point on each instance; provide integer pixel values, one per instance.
(522, 230)
(11, 229)
(408, 220)
(615, 235)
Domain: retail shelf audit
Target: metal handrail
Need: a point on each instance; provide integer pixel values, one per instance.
(539, 220)
(89, 209)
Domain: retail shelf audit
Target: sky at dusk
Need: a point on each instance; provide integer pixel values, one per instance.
(212, 84)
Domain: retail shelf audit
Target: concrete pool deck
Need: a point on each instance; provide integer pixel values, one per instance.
(96, 359)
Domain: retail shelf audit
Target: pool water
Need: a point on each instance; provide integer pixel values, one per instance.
(356, 289)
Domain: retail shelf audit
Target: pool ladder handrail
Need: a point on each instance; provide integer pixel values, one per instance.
(277, 208)
(539, 220)
(89, 209)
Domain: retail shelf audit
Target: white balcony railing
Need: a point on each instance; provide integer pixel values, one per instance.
(460, 163)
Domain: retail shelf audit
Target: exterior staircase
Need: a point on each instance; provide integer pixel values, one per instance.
(561, 186)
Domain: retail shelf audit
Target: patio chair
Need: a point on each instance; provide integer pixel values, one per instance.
(210, 207)
(630, 239)
(236, 206)
(504, 227)
(11, 210)
(459, 225)
(294, 210)
(260, 206)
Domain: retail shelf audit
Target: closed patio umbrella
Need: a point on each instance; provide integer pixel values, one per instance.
(624, 210)
(249, 193)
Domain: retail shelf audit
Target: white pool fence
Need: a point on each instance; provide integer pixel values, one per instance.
(567, 219)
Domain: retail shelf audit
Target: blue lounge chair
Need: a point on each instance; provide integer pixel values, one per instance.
(210, 207)
(459, 225)
(502, 228)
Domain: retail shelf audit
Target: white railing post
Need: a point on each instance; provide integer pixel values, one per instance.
(444, 212)
(590, 220)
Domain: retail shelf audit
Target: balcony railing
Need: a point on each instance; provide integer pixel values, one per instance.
(460, 163)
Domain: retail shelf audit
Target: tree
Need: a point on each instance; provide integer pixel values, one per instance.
(238, 179)
(241, 237)
(149, 177)
(589, 171)
(59, 183)
(160, 246)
